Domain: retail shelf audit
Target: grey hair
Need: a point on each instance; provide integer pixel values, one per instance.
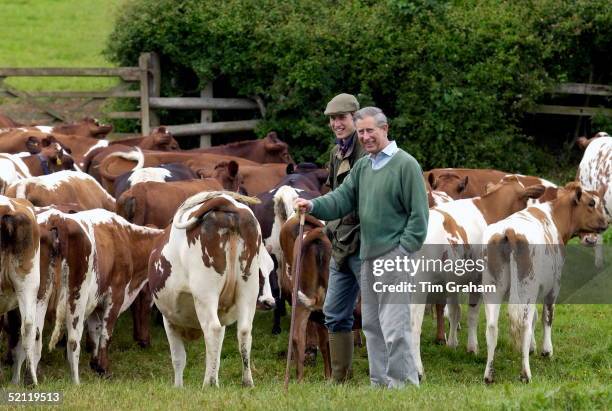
(374, 112)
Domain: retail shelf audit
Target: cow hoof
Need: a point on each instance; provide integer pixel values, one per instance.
(546, 354)
(144, 343)
(488, 379)
(525, 378)
(441, 341)
(248, 384)
(276, 330)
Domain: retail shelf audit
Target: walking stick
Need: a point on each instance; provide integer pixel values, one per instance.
(297, 269)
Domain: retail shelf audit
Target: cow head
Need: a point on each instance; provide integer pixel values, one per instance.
(450, 183)
(277, 151)
(506, 198)
(160, 139)
(33, 145)
(588, 214)
(56, 156)
(228, 174)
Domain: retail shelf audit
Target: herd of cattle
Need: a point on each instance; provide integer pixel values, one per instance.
(90, 228)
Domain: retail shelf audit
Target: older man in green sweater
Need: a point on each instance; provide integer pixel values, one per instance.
(387, 189)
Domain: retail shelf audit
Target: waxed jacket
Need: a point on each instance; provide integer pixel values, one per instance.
(344, 232)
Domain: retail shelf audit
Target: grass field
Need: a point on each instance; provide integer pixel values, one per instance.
(577, 377)
(56, 33)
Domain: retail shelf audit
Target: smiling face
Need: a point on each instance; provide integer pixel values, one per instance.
(342, 125)
(372, 137)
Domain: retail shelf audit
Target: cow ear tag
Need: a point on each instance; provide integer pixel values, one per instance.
(345, 166)
(58, 161)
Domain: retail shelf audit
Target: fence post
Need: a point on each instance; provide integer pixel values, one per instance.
(154, 85)
(206, 115)
(145, 119)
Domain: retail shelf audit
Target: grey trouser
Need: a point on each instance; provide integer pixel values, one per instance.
(386, 325)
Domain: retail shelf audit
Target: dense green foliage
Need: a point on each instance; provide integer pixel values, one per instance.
(455, 77)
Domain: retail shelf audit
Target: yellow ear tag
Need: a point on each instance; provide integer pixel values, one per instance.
(58, 161)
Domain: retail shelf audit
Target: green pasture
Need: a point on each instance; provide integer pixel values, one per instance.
(56, 33)
(577, 377)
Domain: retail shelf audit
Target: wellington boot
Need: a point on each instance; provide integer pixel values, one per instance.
(341, 353)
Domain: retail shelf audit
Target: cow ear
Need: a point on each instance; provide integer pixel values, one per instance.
(577, 195)
(582, 142)
(534, 191)
(273, 136)
(290, 169)
(432, 181)
(488, 188)
(202, 173)
(463, 184)
(232, 168)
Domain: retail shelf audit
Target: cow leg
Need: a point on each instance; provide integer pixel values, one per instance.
(108, 325)
(11, 328)
(454, 316)
(279, 311)
(206, 310)
(94, 328)
(141, 317)
(532, 343)
(41, 310)
(473, 311)
(299, 339)
(526, 328)
(245, 324)
(18, 355)
(492, 317)
(417, 312)
(177, 352)
(323, 342)
(547, 319)
(310, 352)
(26, 290)
(440, 331)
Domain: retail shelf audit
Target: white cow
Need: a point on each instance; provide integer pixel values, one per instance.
(204, 274)
(525, 259)
(595, 173)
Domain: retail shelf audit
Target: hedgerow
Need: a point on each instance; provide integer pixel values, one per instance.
(454, 77)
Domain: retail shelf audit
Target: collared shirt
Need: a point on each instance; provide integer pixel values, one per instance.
(344, 144)
(382, 157)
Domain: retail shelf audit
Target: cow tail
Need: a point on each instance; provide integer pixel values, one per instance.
(61, 306)
(516, 307)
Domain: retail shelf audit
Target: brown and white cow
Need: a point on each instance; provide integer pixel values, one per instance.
(462, 183)
(595, 173)
(454, 233)
(315, 257)
(61, 188)
(525, 260)
(104, 262)
(141, 204)
(86, 127)
(20, 277)
(204, 275)
(257, 178)
(269, 149)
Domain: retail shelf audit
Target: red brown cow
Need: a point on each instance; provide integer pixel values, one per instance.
(159, 139)
(316, 253)
(61, 188)
(20, 140)
(107, 260)
(20, 268)
(141, 204)
(257, 177)
(269, 149)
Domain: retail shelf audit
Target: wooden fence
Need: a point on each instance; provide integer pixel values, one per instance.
(148, 76)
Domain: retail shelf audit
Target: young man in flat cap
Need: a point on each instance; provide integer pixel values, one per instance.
(345, 265)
